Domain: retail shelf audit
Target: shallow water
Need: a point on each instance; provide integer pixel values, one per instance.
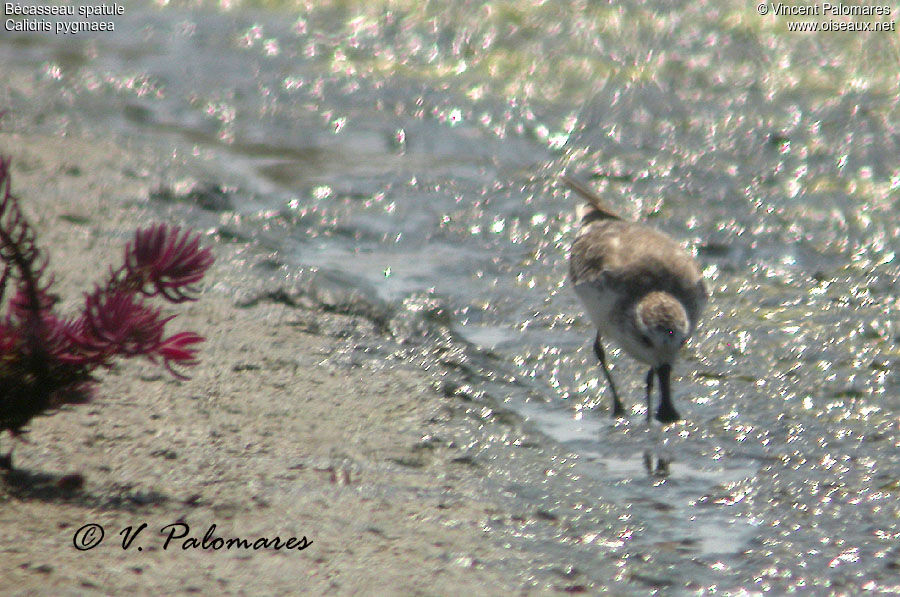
(412, 153)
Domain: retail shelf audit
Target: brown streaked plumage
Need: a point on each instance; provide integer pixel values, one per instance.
(640, 288)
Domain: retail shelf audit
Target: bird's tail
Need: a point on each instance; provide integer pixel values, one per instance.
(596, 209)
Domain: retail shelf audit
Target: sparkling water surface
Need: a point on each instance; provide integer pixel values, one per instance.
(411, 151)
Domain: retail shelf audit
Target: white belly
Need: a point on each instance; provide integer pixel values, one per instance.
(599, 304)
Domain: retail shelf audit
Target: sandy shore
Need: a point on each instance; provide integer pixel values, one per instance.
(384, 475)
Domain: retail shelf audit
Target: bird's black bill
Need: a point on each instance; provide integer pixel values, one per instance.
(666, 412)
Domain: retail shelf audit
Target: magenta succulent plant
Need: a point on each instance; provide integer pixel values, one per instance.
(47, 360)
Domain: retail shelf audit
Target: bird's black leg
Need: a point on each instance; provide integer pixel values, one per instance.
(618, 411)
(666, 412)
(650, 391)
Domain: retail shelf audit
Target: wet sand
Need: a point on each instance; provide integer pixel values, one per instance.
(377, 469)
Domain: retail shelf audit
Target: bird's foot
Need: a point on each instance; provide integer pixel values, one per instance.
(667, 415)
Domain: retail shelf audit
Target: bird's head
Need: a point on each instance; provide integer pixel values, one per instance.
(660, 328)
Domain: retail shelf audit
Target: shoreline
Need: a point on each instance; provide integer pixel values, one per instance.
(381, 471)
